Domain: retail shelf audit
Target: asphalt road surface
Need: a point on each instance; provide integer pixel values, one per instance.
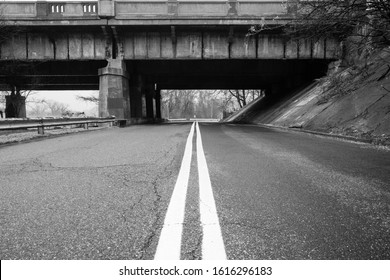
(168, 191)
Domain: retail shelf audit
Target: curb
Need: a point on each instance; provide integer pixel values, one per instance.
(337, 136)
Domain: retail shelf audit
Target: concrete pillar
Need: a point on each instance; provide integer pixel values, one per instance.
(149, 95)
(143, 107)
(15, 106)
(136, 88)
(114, 90)
(158, 103)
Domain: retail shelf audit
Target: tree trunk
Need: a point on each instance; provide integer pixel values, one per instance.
(15, 106)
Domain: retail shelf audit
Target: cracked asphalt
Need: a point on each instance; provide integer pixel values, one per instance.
(95, 195)
(279, 195)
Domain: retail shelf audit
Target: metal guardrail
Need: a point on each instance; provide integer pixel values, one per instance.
(42, 123)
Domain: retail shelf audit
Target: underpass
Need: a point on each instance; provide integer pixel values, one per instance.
(106, 194)
(131, 50)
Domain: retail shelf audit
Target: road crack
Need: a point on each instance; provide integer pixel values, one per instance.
(156, 208)
(156, 222)
(195, 252)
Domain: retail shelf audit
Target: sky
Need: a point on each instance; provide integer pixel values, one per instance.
(67, 97)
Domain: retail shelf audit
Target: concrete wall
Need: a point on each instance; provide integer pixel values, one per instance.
(163, 45)
(59, 46)
(52, 40)
(218, 45)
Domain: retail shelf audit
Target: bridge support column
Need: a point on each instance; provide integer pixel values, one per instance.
(149, 95)
(136, 90)
(144, 106)
(158, 104)
(114, 90)
(141, 95)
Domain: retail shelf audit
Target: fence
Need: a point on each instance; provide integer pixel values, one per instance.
(42, 123)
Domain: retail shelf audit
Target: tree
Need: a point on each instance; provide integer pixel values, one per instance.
(91, 98)
(18, 79)
(178, 103)
(243, 97)
(205, 103)
(362, 25)
(57, 109)
(47, 108)
(19, 82)
(37, 109)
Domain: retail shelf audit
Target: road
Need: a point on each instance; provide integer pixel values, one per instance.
(273, 194)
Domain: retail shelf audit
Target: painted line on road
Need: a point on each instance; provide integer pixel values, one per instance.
(169, 244)
(213, 247)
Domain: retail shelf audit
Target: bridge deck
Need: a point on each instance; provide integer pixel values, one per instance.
(136, 12)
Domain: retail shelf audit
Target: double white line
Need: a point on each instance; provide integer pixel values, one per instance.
(169, 245)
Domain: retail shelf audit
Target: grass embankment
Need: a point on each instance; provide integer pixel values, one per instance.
(352, 101)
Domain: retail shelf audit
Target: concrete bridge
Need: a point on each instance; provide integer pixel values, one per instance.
(132, 49)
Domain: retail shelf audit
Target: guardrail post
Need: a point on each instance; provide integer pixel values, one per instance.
(41, 130)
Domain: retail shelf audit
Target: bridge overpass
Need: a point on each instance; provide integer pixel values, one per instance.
(131, 49)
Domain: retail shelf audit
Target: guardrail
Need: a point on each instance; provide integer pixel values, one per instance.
(42, 123)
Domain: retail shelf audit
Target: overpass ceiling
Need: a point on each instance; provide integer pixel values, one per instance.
(228, 74)
(176, 74)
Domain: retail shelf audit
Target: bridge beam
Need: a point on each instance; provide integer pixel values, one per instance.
(114, 90)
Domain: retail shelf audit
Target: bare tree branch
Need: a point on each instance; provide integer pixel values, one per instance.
(366, 23)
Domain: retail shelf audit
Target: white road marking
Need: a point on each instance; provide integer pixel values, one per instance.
(169, 244)
(213, 247)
